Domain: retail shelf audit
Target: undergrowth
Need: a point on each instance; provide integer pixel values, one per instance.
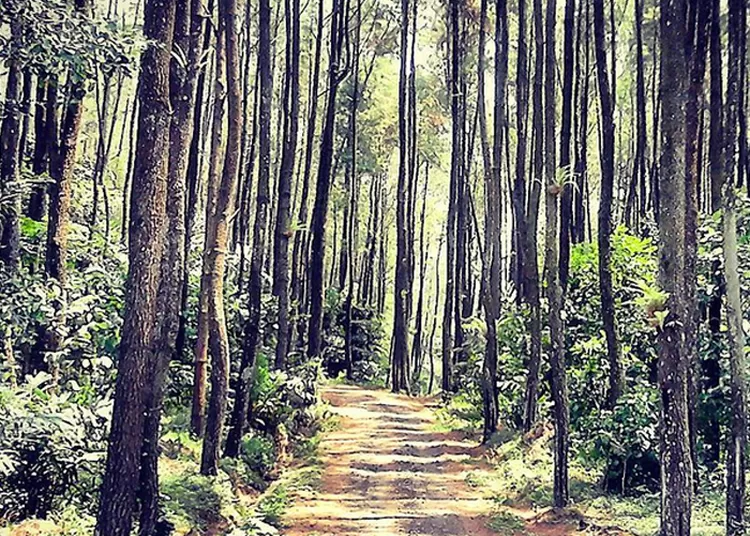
(521, 479)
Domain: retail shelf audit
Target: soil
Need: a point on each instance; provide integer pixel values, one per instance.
(387, 472)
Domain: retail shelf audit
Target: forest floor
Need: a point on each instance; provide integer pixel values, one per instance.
(388, 470)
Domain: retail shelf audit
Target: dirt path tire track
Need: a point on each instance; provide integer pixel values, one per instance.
(388, 472)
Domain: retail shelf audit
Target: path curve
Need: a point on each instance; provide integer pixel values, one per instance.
(386, 471)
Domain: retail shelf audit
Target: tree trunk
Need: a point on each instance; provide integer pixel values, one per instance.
(402, 295)
(299, 251)
(676, 462)
(716, 128)
(283, 230)
(353, 223)
(336, 73)
(531, 263)
(607, 109)
(566, 201)
(9, 142)
(40, 160)
(737, 440)
(217, 232)
(182, 81)
(711, 368)
(418, 347)
(457, 157)
(639, 164)
(581, 166)
(147, 234)
(252, 336)
(551, 266)
(696, 63)
(200, 380)
(194, 183)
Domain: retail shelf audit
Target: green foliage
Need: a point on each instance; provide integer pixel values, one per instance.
(283, 397)
(504, 522)
(621, 441)
(257, 452)
(368, 334)
(273, 505)
(84, 319)
(463, 412)
(51, 449)
(58, 39)
(280, 495)
(197, 498)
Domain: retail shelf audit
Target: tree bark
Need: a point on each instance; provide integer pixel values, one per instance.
(604, 237)
(182, 84)
(457, 161)
(737, 440)
(301, 238)
(551, 266)
(252, 336)
(200, 380)
(10, 137)
(696, 47)
(716, 128)
(402, 295)
(40, 159)
(146, 240)
(531, 262)
(639, 164)
(353, 202)
(336, 73)
(217, 232)
(676, 462)
(283, 229)
(566, 201)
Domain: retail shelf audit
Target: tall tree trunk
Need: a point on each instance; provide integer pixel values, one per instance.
(676, 462)
(252, 336)
(716, 128)
(639, 164)
(696, 46)
(711, 368)
(336, 73)
(737, 440)
(606, 294)
(457, 160)
(353, 223)
(146, 241)
(25, 112)
(40, 159)
(301, 238)
(531, 262)
(402, 295)
(200, 380)
(283, 229)
(566, 201)
(519, 180)
(182, 84)
(581, 165)
(551, 266)
(217, 231)
(418, 347)
(9, 142)
(193, 189)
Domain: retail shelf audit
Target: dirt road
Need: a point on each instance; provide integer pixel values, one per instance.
(388, 472)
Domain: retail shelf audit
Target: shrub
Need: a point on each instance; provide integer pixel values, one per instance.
(368, 354)
(51, 449)
(257, 452)
(201, 500)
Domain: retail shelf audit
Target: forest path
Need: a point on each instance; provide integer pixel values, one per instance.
(387, 471)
